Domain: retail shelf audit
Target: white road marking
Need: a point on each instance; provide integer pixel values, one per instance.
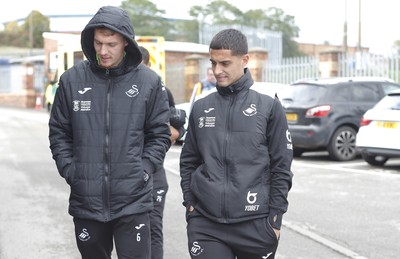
(344, 168)
(309, 234)
(328, 166)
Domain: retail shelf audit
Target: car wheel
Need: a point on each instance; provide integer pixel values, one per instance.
(342, 146)
(374, 160)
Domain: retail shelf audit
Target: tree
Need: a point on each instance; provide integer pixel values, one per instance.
(183, 30)
(11, 36)
(396, 46)
(220, 12)
(217, 12)
(275, 19)
(29, 34)
(35, 24)
(146, 18)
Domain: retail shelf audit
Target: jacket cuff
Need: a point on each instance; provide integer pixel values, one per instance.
(187, 204)
(275, 218)
(182, 132)
(148, 166)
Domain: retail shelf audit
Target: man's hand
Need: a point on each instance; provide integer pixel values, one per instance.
(277, 232)
(174, 134)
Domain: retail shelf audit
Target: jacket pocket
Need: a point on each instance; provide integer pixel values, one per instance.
(270, 230)
(69, 173)
(190, 214)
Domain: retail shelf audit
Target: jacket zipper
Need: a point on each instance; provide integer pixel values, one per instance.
(107, 160)
(225, 210)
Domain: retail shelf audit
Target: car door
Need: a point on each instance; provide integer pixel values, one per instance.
(364, 96)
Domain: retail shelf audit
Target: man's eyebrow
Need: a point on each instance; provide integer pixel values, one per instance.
(220, 61)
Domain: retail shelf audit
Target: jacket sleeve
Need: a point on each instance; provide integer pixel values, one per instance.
(156, 132)
(60, 133)
(182, 132)
(281, 156)
(190, 160)
(171, 102)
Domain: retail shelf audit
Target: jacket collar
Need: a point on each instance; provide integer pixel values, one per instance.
(244, 83)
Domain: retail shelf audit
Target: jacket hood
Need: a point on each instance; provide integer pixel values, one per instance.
(115, 19)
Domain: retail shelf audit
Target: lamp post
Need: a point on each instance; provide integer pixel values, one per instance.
(31, 32)
(345, 28)
(359, 26)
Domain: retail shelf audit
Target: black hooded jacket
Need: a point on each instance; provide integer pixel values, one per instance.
(235, 163)
(109, 128)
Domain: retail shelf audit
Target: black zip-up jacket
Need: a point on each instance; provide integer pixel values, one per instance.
(109, 129)
(236, 160)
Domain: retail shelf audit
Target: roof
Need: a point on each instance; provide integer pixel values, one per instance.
(170, 46)
(335, 80)
(30, 59)
(178, 46)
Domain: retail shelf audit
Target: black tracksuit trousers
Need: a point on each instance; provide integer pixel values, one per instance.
(253, 239)
(131, 235)
(160, 189)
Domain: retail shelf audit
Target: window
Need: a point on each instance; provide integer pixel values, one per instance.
(366, 92)
(387, 88)
(340, 93)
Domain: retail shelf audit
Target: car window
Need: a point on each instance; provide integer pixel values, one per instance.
(387, 88)
(340, 93)
(391, 102)
(365, 92)
(303, 94)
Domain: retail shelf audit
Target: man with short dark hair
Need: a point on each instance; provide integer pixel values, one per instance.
(235, 164)
(108, 135)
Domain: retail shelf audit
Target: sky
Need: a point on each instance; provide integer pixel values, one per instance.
(319, 20)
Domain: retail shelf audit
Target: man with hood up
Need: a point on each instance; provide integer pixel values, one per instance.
(109, 133)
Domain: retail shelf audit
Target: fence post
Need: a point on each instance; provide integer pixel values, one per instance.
(258, 58)
(192, 73)
(329, 63)
(28, 86)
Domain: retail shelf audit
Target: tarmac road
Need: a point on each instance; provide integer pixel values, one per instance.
(336, 210)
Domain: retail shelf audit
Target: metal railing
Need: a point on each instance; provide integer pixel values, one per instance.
(289, 70)
(367, 64)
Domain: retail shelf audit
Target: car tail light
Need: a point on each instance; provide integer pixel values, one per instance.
(319, 111)
(364, 122)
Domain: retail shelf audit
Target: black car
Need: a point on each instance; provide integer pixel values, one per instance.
(325, 114)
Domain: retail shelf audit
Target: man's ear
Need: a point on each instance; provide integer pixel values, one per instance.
(245, 59)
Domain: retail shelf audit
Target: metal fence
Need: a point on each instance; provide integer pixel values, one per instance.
(12, 77)
(175, 77)
(5, 78)
(271, 41)
(367, 64)
(289, 70)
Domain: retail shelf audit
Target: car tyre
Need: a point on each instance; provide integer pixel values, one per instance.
(374, 160)
(342, 146)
